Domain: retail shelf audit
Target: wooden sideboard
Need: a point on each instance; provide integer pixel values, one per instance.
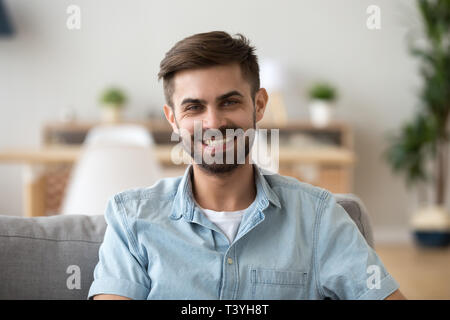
(319, 156)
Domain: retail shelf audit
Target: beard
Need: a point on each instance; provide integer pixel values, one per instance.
(224, 161)
(221, 162)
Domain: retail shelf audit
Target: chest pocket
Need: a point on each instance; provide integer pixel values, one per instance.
(275, 284)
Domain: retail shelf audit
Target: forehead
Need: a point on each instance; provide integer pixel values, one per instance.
(208, 83)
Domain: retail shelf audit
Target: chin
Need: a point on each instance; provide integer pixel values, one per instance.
(218, 168)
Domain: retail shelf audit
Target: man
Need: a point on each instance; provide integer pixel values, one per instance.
(225, 230)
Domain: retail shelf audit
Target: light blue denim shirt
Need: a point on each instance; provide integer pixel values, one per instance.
(294, 242)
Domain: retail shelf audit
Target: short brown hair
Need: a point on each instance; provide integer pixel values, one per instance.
(209, 49)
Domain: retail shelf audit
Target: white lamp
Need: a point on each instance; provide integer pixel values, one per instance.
(272, 78)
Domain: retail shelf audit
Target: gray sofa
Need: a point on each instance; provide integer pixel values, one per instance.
(54, 257)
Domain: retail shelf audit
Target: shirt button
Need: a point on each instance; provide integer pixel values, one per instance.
(230, 261)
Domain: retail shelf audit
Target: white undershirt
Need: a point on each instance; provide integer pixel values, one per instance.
(227, 221)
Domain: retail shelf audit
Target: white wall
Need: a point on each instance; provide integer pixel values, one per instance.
(45, 68)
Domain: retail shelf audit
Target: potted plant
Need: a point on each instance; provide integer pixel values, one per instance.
(420, 149)
(113, 101)
(322, 96)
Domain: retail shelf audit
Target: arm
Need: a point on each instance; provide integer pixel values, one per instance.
(347, 265)
(110, 297)
(396, 295)
(121, 269)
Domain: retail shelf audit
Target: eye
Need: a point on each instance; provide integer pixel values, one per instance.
(194, 107)
(229, 102)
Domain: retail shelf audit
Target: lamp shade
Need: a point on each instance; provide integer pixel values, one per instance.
(271, 74)
(5, 23)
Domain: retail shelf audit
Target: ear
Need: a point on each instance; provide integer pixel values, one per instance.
(170, 116)
(261, 99)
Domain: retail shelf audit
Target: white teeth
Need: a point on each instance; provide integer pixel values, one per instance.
(218, 142)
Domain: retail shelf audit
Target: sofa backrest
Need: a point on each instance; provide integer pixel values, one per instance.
(54, 257)
(49, 257)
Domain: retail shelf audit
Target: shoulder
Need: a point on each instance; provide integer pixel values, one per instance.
(145, 201)
(163, 188)
(291, 189)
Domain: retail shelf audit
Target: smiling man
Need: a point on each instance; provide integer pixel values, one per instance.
(225, 230)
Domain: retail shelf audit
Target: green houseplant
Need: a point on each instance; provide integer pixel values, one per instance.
(420, 149)
(322, 96)
(113, 101)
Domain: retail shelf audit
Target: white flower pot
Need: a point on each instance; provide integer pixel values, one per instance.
(431, 226)
(111, 114)
(321, 112)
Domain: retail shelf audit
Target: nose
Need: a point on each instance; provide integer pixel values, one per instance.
(213, 119)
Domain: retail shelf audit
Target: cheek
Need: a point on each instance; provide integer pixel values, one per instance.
(187, 126)
(243, 119)
(186, 129)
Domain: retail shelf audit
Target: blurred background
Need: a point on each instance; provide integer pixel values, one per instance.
(350, 98)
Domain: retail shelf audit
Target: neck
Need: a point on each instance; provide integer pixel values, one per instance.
(232, 191)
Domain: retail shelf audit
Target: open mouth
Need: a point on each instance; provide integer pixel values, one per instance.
(213, 144)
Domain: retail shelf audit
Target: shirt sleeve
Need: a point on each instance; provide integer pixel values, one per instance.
(347, 267)
(121, 270)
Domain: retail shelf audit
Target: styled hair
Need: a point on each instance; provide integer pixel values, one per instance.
(209, 49)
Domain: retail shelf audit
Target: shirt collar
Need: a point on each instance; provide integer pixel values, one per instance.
(184, 199)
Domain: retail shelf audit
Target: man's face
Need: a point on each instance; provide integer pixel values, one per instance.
(212, 100)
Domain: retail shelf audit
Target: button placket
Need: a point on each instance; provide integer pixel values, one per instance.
(230, 276)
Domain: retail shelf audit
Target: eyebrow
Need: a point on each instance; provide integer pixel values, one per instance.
(219, 98)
